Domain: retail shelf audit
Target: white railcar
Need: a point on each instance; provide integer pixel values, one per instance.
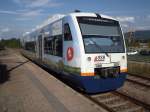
(88, 48)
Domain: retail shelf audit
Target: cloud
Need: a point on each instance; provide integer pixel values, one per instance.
(125, 25)
(8, 12)
(29, 15)
(30, 9)
(143, 27)
(148, 16)
(32, 13)
(11, 32)
(4, 30)
(127, 22)
(17, 1)
(23, 19)
(37, 3)
(126, 19)
(25, 14)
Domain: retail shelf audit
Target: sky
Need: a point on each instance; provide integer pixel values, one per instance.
(19, 16)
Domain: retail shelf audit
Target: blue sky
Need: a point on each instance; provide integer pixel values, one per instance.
(18, 16)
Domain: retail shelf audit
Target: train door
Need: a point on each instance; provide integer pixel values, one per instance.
(40, 47)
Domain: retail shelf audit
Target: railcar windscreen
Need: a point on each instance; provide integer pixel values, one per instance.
(101, 35)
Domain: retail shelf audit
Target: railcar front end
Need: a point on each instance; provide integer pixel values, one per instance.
(102, 53)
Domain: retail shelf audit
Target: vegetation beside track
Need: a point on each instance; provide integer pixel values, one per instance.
(10, 43)
(139, 68)
(139, 58)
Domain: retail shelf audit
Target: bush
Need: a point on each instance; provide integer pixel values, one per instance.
(11, 43)
(2, 47)
(144, 52)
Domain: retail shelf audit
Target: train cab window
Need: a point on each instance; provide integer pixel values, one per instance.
(67, 33)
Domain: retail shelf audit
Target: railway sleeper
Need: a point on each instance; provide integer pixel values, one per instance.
(135, 109)
(117, 104)
(129, 107)
(114, 98)
(103, 95)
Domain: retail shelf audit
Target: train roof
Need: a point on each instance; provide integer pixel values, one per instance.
(51, 19)
(56, 17)
(76, 14)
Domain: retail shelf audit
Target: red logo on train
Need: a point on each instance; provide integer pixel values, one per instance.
(69, 53)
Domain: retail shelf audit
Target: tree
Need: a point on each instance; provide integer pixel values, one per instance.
(11, 43)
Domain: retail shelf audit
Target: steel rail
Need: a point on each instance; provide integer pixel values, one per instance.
(138, 102)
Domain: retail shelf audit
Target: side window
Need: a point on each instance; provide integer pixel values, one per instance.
(53, 45)
(67, 33)
(58, 45)
(30, 46)
(48, 45)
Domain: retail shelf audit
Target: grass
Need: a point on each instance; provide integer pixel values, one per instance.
(139, 65)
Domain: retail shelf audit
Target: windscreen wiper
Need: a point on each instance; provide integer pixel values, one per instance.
(106, 54)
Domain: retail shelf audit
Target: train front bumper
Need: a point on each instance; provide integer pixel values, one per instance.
(92, 84)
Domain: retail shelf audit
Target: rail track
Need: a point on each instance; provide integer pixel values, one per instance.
(118, 102)
(139, 80)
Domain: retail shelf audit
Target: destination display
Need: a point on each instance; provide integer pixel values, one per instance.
(96, 20)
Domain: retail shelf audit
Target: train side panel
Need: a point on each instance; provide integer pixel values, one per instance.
(71, 47)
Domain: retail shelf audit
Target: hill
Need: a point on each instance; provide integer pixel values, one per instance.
(139, 35)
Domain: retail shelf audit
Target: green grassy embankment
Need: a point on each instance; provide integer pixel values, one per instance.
(10, 43)
(139, 65)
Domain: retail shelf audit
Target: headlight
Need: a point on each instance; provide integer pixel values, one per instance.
(89, 58)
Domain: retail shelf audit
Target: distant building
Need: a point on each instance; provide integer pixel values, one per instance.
(144, 45)
(142, 37)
